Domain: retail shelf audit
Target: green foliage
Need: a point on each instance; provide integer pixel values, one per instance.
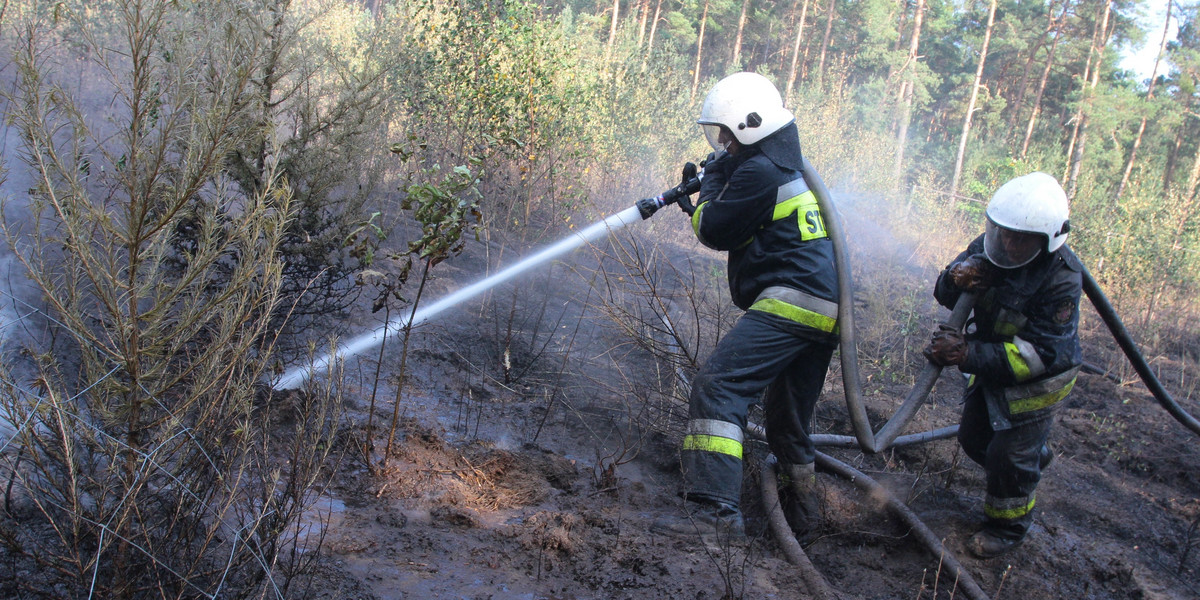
(446, 210)
(497, 82)
(319, 103)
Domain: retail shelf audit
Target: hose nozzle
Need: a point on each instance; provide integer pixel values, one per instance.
(690, 185)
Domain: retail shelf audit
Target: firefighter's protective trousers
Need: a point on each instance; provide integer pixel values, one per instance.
(763, 352)
(1011, 457)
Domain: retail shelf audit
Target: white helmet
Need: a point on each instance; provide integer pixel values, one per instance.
(1025, 216)
(748, 104)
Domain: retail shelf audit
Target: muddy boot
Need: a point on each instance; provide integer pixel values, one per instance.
(990, 543)
(714, 522)
(798, 497)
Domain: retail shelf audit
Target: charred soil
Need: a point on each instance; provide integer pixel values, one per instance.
(518, 473)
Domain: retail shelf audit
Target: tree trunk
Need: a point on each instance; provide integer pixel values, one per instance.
(1184, 214)
(642, 22)
(1079, 135)
(1173, 155)
(612, 30)
(907, 93)
(825, 42)
(1194, 175)
(699, 51)
(966, 130)
(1041, 90)
(653, 29)
(1137, 140)
(1022, 86)
(1051, 28)
(796, 52)
(737, 42)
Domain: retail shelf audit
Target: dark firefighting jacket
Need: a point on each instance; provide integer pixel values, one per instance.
(780, 256)
(1023, 336)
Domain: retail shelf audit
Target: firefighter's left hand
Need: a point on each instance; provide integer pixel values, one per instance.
(947, 348)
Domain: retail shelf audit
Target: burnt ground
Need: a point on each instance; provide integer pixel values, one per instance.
(530, 462)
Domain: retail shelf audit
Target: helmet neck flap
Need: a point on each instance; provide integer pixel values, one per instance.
(783, 148)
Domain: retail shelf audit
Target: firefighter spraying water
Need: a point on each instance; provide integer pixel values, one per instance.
(756, 204)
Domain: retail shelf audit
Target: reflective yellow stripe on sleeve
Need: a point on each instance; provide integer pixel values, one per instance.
(696, 216)
(1016, 362)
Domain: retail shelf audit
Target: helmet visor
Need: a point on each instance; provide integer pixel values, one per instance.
(1008, 248)
(716, 139)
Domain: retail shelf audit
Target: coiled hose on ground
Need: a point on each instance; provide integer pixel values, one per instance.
(817, 584)
(963, 579)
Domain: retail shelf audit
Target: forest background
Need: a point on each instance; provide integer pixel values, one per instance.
(192, 186)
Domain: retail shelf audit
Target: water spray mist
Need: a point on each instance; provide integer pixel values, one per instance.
(296, 376)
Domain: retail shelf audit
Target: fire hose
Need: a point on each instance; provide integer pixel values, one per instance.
(795, 554)
(1117, 328)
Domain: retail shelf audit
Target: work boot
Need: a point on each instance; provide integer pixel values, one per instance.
(1045, 456)
(714, 522)
(798, 497)
(990, 544)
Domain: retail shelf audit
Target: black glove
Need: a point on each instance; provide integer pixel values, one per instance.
(689, 184)
(712, 158)
(689, 173)
(947, 348)
(974, 274)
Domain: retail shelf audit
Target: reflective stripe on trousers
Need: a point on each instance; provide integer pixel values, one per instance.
(762, 353)
(709, 435)
(1012, 459)
(1008, 509)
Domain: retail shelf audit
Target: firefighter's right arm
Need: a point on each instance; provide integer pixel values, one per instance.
(731, 210)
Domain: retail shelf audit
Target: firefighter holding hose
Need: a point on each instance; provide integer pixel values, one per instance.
(754, 204)
(1021, 349)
